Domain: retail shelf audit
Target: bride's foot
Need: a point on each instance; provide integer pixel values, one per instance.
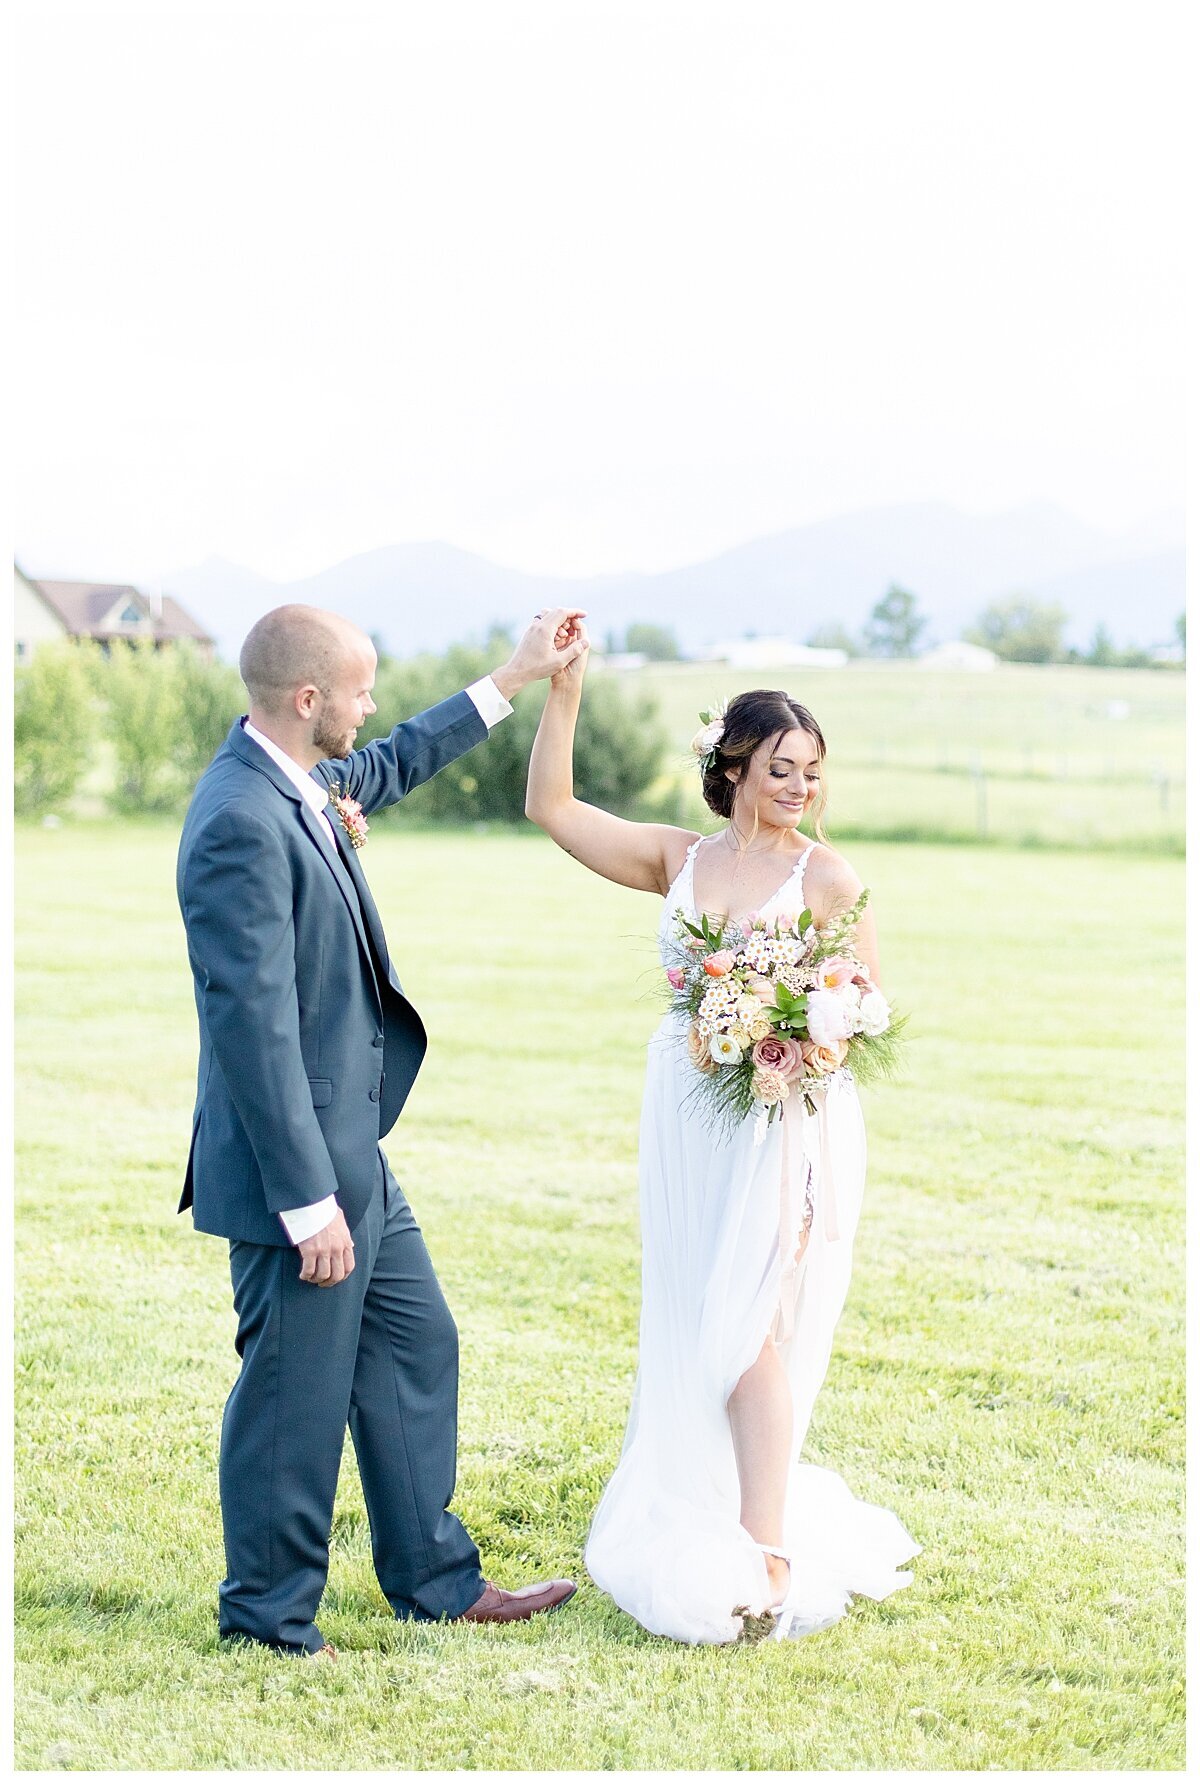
(779, 1573)
(757, 1626)
(779, 1577)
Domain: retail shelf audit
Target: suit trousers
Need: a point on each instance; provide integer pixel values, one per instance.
(378, 1351)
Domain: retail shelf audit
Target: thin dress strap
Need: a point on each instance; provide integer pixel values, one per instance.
(802, 864)
(688, 870)
(685, 869)
(687, 873)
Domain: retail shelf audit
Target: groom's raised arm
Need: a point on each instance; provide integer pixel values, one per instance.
(386, 769)
(236, 892)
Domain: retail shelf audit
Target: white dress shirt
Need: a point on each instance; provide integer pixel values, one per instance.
(300, 1224)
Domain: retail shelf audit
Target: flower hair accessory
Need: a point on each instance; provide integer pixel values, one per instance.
(351, 815)
(712, 730)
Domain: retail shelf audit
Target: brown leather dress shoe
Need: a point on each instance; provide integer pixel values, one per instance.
(496, 1606)
(326, 1652)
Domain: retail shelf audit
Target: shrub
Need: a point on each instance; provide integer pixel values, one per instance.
(833, 636)
(1021, 630)
(168, 713)
(54, 725)
(211, 696)
(895, 624)
(658, 643)
(144, 721)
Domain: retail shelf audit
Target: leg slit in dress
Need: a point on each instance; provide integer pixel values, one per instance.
(782, 1324)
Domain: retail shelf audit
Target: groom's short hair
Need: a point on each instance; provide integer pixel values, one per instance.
(292, 647)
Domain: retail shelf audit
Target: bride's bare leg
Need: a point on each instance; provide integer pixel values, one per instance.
(760, 1418)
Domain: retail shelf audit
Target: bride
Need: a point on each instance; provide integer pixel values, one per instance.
(711, 1529)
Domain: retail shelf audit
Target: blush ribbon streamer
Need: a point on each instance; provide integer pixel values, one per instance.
(795, 1169)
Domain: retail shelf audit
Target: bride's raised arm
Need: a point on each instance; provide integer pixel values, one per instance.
(644, 856)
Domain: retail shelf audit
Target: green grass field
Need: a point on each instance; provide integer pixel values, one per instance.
(1049, 756)
(1007, 1374)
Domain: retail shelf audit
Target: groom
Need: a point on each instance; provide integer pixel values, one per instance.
(308, 1050)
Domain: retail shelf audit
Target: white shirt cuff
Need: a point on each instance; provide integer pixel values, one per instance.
(301, 1224)
(490, 703)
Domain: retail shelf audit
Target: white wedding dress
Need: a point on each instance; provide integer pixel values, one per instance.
(722, 1219)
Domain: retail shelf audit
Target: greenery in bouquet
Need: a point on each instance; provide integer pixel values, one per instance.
(774, 1010)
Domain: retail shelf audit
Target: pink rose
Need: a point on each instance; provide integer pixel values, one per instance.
(776, 1053)
(720, 963)
(676, 977)
(748, 922)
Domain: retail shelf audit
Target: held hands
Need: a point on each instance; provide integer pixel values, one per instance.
(572, 671)
(328, 1256)
(550, 646)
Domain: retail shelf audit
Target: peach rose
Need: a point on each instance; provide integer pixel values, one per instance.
(761, 986)
(697, 1051)
(819, 1058)
(720, 963)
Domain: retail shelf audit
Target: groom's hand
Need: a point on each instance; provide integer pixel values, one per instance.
(329, 1255)
(554, 640)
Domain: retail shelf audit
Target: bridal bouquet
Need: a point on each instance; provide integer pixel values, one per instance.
(775, 1009)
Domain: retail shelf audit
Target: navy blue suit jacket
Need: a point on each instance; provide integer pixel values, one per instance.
(308, 1046)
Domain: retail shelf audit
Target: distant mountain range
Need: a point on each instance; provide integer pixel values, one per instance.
(424, 596)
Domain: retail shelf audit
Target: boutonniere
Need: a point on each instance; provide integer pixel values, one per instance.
(351, 815)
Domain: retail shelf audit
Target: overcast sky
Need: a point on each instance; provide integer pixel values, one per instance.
(586, 286)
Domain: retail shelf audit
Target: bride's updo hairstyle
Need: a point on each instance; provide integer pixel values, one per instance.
(750, 719)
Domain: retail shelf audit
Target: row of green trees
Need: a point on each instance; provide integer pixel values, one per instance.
(1019, 630)
(145, 724)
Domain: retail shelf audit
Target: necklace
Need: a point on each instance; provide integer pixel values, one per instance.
(766, 849)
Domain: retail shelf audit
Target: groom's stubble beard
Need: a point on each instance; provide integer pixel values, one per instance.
(331, 739)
